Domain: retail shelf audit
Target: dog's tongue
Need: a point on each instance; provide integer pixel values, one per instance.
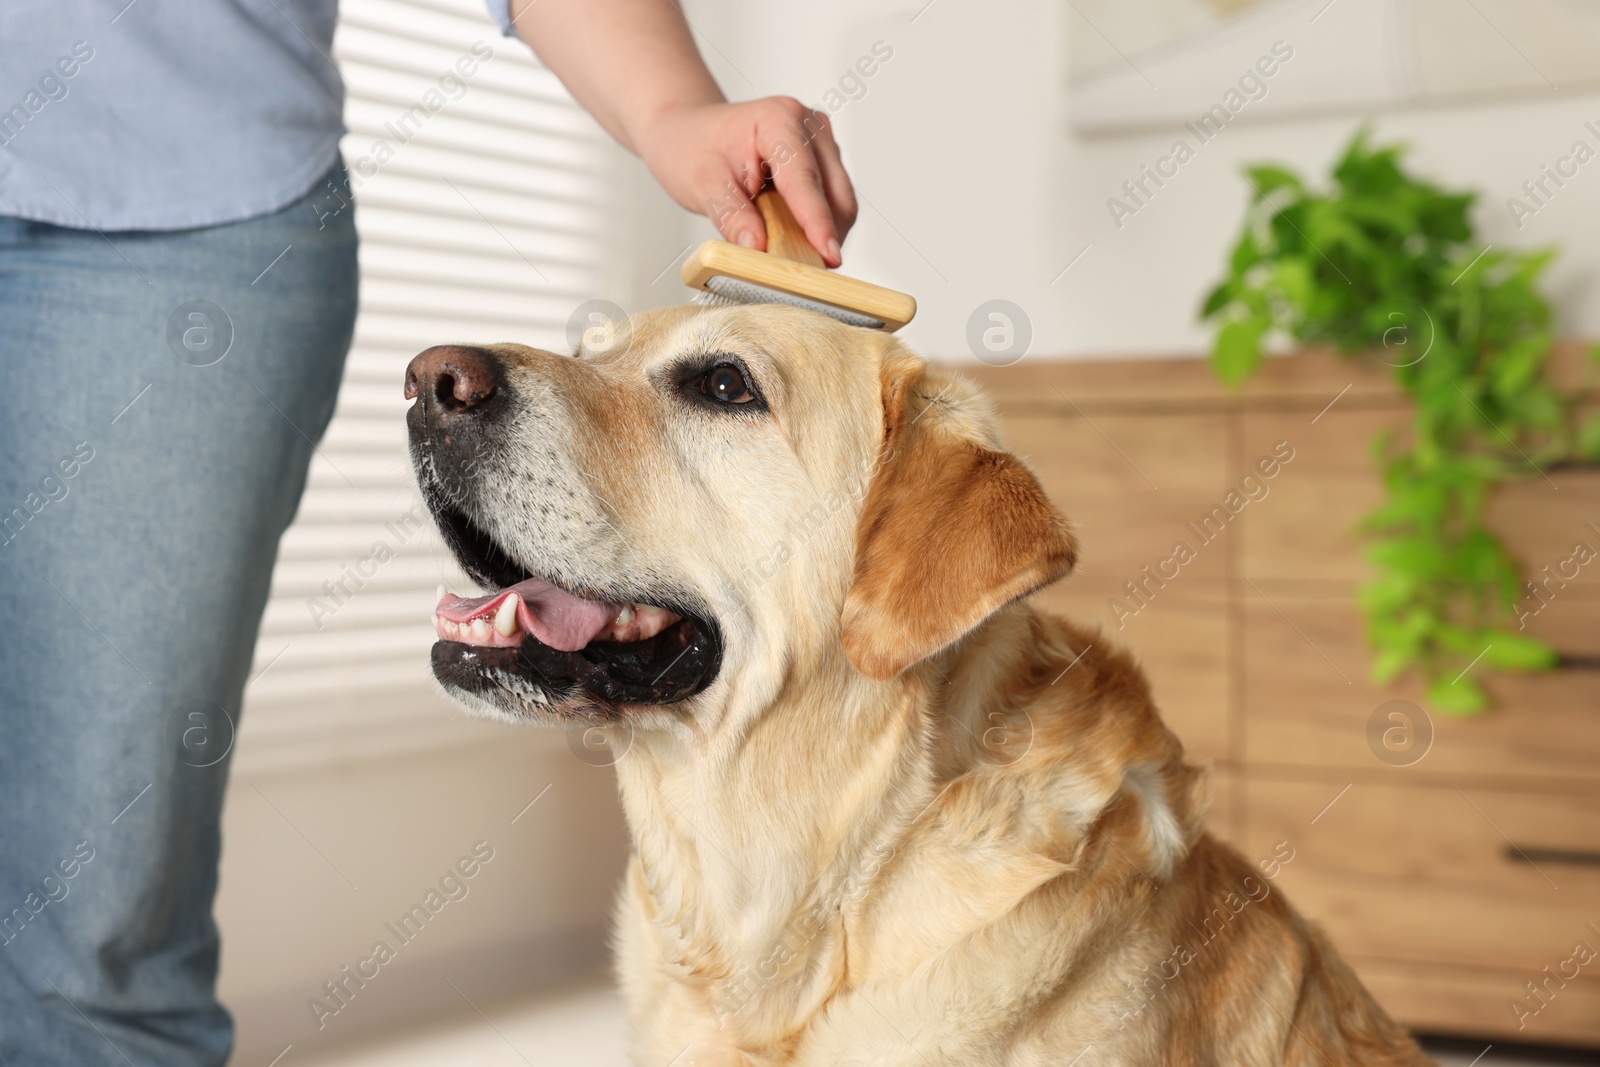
(554, 616)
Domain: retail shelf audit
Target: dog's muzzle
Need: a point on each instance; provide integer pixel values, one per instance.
(529, 637)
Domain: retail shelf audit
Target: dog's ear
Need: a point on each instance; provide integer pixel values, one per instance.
(953, 527)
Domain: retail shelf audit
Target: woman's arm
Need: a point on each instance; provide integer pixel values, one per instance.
(634, 66)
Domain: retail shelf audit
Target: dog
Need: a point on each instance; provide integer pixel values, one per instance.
(883, 810)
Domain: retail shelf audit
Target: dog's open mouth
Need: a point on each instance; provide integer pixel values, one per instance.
(530, 637)
(550, 615)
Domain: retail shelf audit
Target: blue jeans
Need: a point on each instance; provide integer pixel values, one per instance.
(160, 394)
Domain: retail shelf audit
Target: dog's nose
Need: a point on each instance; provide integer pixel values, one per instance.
(452, 380)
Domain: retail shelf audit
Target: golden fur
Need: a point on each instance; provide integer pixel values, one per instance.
(915, 821)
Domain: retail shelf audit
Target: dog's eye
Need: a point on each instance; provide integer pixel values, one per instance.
(717, 380)
(726, 383)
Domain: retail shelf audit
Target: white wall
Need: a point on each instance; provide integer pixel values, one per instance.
(977, 188)
(320, 855)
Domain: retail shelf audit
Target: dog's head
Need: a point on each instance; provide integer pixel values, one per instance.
(728, 499)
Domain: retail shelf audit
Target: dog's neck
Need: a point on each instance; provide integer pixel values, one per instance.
(752, 839)
(729, 828)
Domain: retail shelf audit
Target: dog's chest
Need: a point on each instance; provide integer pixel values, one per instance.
(760, 998)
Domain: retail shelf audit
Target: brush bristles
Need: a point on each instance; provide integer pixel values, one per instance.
(730, 292)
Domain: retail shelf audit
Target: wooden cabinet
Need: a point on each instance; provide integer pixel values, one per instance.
(1543, 730)
(1453, 861)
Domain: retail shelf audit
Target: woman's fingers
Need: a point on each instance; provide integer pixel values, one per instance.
(740, 222)
(732, 209)
(835, 181)
(715, 158)
(786, 140)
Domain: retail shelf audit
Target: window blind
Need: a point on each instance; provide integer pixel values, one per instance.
(479, 191)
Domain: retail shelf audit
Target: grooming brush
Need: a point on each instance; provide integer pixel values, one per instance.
(790, 272)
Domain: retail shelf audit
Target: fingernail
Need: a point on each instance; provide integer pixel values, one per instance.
(747, 239)
(833, 248)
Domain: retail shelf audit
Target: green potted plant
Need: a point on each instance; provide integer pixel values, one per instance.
(1382, 257)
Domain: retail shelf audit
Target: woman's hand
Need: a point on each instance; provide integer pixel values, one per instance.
(713, 158)
(633, 64)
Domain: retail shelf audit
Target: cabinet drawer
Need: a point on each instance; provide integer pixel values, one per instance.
(1308, 701)
(1473, 1001)
(1309, 527)
(1434, 874)
(1129, 483)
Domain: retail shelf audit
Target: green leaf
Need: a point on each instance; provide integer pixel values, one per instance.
(1217, 299)
(1412, 555)
(1389, 214)
(1389, 593)
(1515, 367)
(1460, 697)
(1589, 438)
(1389, 663)
(1268, 179)
(1293, 278)
(1246, 254)
(1518, 652)
(1458, 639)
(1238, 350)
(1447, 217)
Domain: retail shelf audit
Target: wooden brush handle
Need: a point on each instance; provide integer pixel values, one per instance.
(785, 238)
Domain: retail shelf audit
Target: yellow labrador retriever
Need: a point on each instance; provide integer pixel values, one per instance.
(883, 811)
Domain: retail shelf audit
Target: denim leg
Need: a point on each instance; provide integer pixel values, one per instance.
(154, 449)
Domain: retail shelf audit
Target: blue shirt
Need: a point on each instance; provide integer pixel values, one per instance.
(166, 114)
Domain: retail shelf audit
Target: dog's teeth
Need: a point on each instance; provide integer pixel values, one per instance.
(480, 629)
(438, 594)
(624, 617)
(505, 620)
